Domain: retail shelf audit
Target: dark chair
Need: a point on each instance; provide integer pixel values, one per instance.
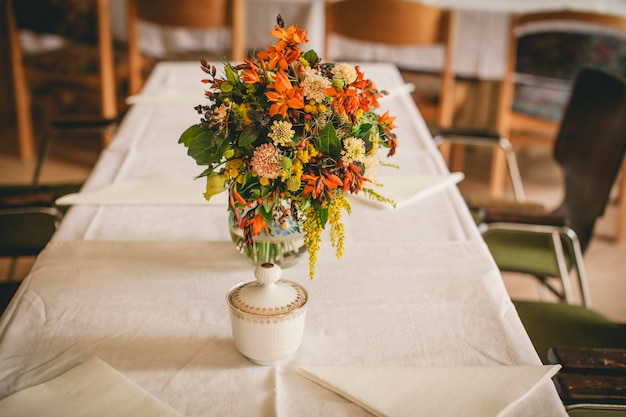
(590, 148)
(28, 219)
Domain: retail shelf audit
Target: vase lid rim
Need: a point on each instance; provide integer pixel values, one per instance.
(269, 295)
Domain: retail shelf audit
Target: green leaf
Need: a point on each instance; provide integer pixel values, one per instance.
(248, 136)
(231, 75)
(226, 87)
(363, 130)
(323, 212)
(329, 143)
(190, 134)
(310, 56)
(268, 215)
(205, 149)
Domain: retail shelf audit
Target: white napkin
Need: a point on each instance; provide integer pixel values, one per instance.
(92, 389)
(157, 189)
(406, 189)
(478, 391)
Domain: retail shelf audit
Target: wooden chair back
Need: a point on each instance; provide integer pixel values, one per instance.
(81, 22)
(398, 23)
(524, 129)
(190, 14)
(535, 130)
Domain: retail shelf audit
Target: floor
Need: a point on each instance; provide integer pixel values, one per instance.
(605, 260)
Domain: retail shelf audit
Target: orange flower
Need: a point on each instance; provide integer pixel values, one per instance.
(392, 143)
(387, 121)
(275, 56)
(318, 184)
(353, 180)
(291, 35)
(285, 97)
(345, 101)
(250, 73)
(255, 223)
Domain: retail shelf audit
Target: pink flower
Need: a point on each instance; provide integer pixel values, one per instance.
(266, 161)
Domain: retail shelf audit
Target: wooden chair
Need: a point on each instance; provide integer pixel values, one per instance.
(80, 80)
(190, 14)
(589, 147)
(546, 51)
(400, 23)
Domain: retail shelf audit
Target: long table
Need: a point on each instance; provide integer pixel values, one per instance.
(143, 287)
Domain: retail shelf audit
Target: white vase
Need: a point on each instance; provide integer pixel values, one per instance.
(267, 316)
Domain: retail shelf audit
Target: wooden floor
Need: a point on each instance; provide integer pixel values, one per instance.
(72, 160)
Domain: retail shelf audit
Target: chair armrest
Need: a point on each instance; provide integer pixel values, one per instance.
(467, 131)
(545, 219)
(468, 136)
(515, 212)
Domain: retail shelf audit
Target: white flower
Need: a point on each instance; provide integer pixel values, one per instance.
(314, 85)
(345, 72)
(281, 133)
(372, 165)
(353, 151)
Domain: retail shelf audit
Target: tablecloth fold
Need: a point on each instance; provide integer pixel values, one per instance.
(157, 189)
(92, 389)
(480, 391)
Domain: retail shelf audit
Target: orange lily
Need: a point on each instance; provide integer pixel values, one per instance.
(291, 35)
(386, 121)
(256, 224)
(285, 97)
(275, 56)
(344, 100)
(353, 180)
(250, 74)
(318, 184)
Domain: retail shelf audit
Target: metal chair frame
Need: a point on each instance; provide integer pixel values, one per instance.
(499, 142)
(558, 235)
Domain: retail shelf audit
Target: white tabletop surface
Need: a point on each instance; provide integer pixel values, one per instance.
(143, 288)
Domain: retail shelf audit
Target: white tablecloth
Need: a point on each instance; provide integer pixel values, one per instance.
(143, 288)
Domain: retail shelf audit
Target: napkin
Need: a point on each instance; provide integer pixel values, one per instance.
(92, 389)
(406, 189)
(479, 391)
(156, 189)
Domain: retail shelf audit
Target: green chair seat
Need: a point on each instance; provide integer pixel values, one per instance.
(559, 324)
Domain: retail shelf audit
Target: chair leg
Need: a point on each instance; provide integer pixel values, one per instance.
(621, 205)
(12, 268)
(457, 158)
(498, 169)
(564, 273)
(516, 178)
(445, 148)
(576, 253)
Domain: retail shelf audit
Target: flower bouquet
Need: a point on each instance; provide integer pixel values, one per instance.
(289, 136)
